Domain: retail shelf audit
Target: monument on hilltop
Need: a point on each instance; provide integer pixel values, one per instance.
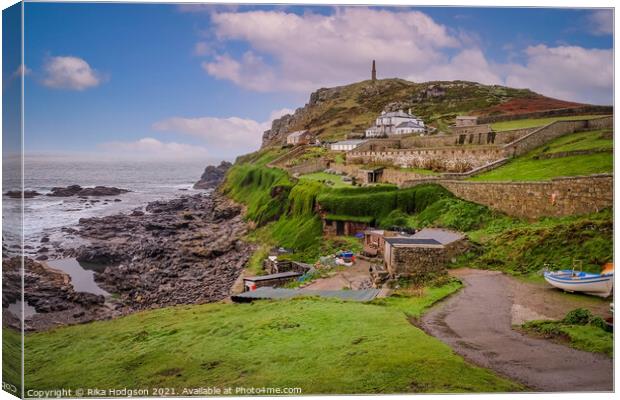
(374, 71)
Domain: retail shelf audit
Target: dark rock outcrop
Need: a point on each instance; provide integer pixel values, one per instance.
(17, 194)
(213, 176)
(182, 251)
(51, 294)
(77, 190)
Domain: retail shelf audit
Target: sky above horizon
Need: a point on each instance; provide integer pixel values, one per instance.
(202, 82)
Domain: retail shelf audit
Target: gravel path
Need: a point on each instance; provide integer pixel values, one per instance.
(477, 321)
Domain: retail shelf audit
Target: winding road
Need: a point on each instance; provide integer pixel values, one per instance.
(476, 323)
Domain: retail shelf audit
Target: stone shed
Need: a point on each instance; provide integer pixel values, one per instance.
(411, 257)
(454, 243)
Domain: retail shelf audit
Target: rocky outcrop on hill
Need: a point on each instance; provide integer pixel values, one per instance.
(51, 294)
(77, 190)
(183, 251)
(213, 176)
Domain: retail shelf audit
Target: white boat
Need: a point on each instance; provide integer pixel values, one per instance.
(577, 281)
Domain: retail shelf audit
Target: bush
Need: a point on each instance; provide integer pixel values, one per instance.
(379, 203)
(579, 316)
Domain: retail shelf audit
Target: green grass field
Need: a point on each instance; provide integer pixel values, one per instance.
(318, 345)
(530, 123)
(533, 167)
(336, 180)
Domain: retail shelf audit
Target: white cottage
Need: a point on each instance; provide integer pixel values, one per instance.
(387, 123)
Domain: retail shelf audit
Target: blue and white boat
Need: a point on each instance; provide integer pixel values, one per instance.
(584, 282)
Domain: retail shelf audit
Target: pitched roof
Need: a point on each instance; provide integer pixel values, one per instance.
(442, 236)
(409, 124)
(410, 240)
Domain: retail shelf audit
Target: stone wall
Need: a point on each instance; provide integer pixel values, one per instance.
(310, 166)
(502, 137)
(552, 131)
(471, 129)
(421, 262)
(532, 200)
(450, 159)
(562, 112)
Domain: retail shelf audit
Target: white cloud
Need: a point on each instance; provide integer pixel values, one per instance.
(468, 65)
(291, 52)
(314, 50)
(69, 73)
(223, 136)
(601, 22)
(150, 148)
(565, 72)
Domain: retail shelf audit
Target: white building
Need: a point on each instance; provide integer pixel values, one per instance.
(387, 123)
(346, 145)
(405, 128)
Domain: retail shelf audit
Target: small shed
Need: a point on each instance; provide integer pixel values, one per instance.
(273, 280)
(409, 256)
(343, 225)
(371, 175)
(466, 120)
(374, 241)
(299, 138)
(454, 243)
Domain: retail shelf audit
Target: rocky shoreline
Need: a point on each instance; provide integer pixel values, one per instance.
(186, 250)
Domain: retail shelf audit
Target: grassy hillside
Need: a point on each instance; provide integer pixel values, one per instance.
(503, 243)
(540, 163)
(320, 346)
(332, 113)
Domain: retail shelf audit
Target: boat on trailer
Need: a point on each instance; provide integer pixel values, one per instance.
(571, 280)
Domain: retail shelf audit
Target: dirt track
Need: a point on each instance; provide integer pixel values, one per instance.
(477, 321)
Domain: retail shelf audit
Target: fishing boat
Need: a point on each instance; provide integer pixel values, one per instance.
(571, 280)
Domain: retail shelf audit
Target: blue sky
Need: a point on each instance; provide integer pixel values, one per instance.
(186, 82)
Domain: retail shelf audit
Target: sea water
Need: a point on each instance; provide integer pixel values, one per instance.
(44, 215)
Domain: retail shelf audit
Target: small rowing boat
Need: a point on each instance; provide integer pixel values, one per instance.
(584, 282)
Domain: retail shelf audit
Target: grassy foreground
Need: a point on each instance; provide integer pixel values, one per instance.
(320, 346)
(535, 165)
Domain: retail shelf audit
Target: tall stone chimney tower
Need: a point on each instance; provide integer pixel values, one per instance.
(374, 71)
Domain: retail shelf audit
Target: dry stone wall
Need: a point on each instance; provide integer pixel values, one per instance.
(532, 200)
(451, 159)
(310, 166)
(419, 261)
(552, 131)
(576, 111)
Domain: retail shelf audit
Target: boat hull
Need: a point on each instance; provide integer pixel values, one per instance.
(596, 285)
